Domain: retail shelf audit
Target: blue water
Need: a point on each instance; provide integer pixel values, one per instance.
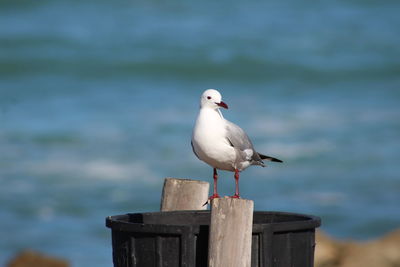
(98, 99)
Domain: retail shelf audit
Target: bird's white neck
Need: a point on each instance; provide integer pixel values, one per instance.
(220, 113)
(210, 113)
(210, 118)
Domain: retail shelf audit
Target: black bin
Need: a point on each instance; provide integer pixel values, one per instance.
(180, 238)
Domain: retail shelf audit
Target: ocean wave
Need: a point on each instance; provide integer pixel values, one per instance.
(93, 169)
(297, 150)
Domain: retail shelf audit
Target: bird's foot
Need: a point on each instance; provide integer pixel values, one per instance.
(235, 196)
(211, 198)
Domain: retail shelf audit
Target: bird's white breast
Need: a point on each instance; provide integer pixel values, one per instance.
(210, 142)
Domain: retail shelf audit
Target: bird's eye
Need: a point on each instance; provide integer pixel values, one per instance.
(208, 97)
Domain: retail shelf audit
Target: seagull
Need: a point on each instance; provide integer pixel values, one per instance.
(222, 144)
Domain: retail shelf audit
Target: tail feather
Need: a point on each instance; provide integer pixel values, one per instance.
(269, 158)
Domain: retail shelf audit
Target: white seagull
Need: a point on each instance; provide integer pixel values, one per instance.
(222, 144)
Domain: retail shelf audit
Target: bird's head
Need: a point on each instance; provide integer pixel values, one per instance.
(212, 98)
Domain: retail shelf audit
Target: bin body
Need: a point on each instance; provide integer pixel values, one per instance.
(180, 238)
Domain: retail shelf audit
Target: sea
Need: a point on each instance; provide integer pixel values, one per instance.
(98, 100)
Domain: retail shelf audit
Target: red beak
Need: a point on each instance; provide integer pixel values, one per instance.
(222, 105)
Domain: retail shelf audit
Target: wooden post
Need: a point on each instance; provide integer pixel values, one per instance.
(184, 194)
(230, 232)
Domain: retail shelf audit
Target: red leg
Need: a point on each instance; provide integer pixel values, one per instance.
(215, 194)
(215, 183)
(236, 184)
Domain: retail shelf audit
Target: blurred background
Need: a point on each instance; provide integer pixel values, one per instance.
(98, 100)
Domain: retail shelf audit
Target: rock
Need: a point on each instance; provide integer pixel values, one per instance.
(382, 252)
(391, 245)
(30, 258)
(327, 251)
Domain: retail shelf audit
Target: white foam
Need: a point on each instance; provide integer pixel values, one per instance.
(46, 213)
(327, 198)
(299, 119)
(93, 169)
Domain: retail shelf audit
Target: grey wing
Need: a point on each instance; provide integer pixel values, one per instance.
(239, 140)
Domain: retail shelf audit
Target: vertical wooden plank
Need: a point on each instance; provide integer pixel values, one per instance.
(282, 256)
(201, 243)
(145, 246)
(267, 257)
(255, 248)
(303, 248)
(121, 249)
(184, 194)
(230, 232)
(169, 254)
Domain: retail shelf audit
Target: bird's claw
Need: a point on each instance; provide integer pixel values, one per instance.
(211, 198)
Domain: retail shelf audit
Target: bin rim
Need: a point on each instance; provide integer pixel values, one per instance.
(305, 221)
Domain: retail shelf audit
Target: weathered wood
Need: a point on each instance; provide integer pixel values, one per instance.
(184, 194)
(230, 232)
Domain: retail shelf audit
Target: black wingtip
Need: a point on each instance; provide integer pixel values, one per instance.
(270, 158)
